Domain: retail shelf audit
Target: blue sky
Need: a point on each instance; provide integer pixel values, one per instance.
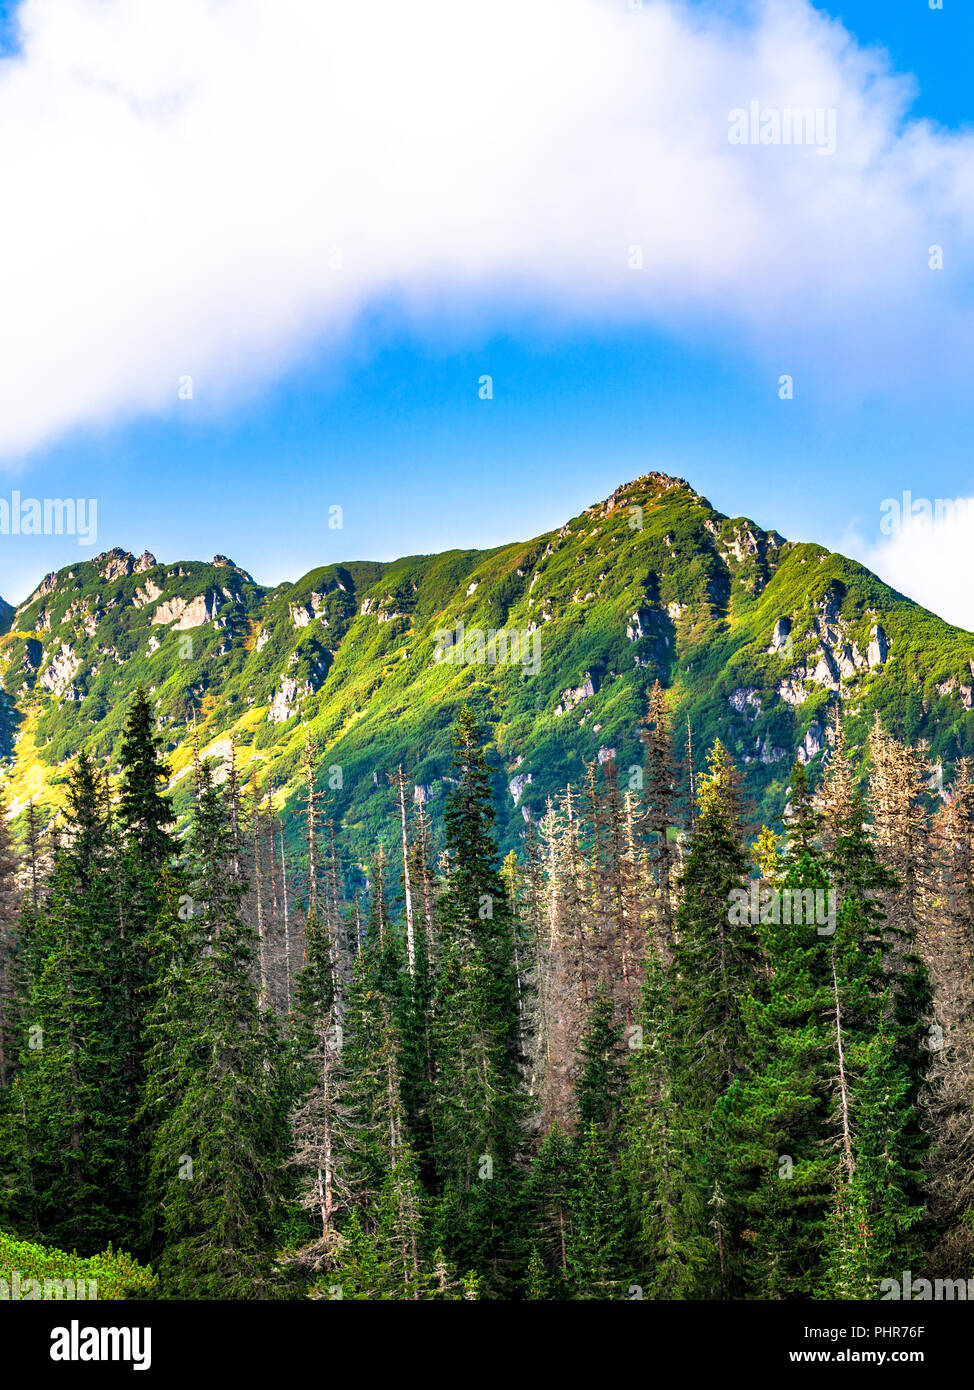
(374, 405)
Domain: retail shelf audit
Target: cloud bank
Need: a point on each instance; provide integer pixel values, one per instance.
(210, 188)
(925, 553)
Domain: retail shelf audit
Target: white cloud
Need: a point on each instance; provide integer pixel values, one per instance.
(925, 553)
(177, 175)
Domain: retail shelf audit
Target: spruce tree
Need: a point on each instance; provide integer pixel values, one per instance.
(477, 1105)
(147, 851)
(72, 1114)
(715, 965)
(215, 1166)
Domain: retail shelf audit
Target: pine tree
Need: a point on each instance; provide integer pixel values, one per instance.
(148, 849)
(661, 785)
(774, 1119)
(598, 1242)
(477, 1105)
(550, 1192)
(715, 965)
(651, 1154)
(879, 1078)
(602, 1075)
(11, 959)
(215, 1168)
(71, 1114)
(803, 818)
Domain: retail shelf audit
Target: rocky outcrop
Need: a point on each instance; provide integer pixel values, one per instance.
(148, 593)
(47, 586)
(284, 704)
(812, 744)
(60, 672)
(115, 564)
(780, 635)
(517, 784)
(303, 614)
(765, 751)
(878, 649)
(746, 702)
(948, 688)
(792, 690)
(575, 694)
(851, 661)
(638, 626)
(826, 671)
(184, 614)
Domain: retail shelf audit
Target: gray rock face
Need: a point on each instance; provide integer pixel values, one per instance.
(517, 784)
(148, 593)
(878, 648)
(284, 703)
(184, 614)
(117, 564)
(746, 702)
(780, 635)
(638, 626)
(304, 613)
(47, 586)
(792, 690)
(60, 672)
(826, 671)
(767, 751)
(851, 660)
(574, 695)
(948, 688)
(813, 742)
(831, 602)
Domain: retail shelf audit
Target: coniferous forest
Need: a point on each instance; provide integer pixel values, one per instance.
(618, 1063)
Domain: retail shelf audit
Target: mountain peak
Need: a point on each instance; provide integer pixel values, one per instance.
(116, 564)
(757, 640)
(649, 489)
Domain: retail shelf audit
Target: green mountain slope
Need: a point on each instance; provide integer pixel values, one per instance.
(755, 635)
